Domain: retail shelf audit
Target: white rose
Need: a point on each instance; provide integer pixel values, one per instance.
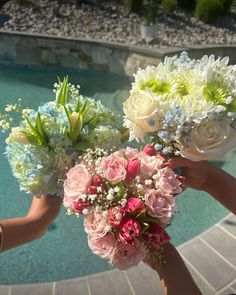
(141, 108)
(209, 141)
(16, 135)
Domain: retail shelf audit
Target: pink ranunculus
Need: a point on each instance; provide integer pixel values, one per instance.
(130, 229)
(95, 224)
(155, 236)
(98, 181)
(77, 182)
(68, 202)
(131, 152)
(132, 168)
(127, 255)
(149, 165)
(134, 206)
(114, 168)
(80, 205)
(115, 216)
(150, 150)
(160, 205)
(102, 246)
(168, 181)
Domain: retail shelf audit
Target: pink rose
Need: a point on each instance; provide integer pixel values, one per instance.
(95, 224)
(115, 216)
(155, 236)
(102, 246)
(150, 150)
(160, 205)
(149, 165)
(130, 229)
(168, 181)
(134, 206)
(132, 168)
(77, 182)
(130, 152)
(127, 255)
(114, 168)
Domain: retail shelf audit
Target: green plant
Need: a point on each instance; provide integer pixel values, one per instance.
(227, 5)
(209, 10)
(168, 6)
(133, 5)
(151, 14)
(187, 4)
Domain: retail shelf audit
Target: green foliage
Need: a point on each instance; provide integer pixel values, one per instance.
(187, 4)
(151, 14)
(227, 5)
(209, 10)
(133, 5)
(22, 2)
(168, 6)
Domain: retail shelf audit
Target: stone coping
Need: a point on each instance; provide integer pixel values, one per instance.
(17, 48)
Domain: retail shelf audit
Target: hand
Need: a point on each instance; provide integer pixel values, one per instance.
(196, 173)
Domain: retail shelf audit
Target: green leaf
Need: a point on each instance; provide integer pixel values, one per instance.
(39, 126)
(62, 92)
(92, 123)
(32, 128)
(141, 217)
(68, 116)
(77, 106)
(152, 219)
(82, 146)
(145, 226)
(31, 138)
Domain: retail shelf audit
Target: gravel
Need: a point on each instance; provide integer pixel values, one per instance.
(111, 21)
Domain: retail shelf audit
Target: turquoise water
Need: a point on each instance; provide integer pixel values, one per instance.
(63, 252)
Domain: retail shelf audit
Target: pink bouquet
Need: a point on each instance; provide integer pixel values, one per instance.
(127, 199)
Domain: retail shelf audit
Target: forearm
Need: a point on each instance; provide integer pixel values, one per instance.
(175, 278)
(18, 231)
(222, 186)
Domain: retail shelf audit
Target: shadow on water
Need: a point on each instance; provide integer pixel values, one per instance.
(52, 227)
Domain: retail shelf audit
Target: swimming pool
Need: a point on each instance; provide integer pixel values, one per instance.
(63, 252)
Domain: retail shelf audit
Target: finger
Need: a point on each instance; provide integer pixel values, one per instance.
(178, 162)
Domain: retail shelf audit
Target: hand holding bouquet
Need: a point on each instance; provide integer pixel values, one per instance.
(127, 199)
(187, 106)
(46, 143)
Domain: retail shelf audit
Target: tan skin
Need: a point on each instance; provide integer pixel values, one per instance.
(174, 274)
(18, 231)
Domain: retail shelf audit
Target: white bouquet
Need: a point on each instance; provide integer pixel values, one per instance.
(187, 106)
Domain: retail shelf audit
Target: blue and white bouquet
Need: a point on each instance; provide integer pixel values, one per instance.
(48, 141)
(187, 106)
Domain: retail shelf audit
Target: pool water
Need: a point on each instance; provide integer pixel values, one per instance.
(63, 252)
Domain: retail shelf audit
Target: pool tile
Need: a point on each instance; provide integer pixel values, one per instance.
(4, 290)
(229, 224)
(227, 291)
(72, 287)
(233, 285)
(32, 289)
(111, 282)
(204, 286)
(222, 242)
(144, 280)
(211, 266)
